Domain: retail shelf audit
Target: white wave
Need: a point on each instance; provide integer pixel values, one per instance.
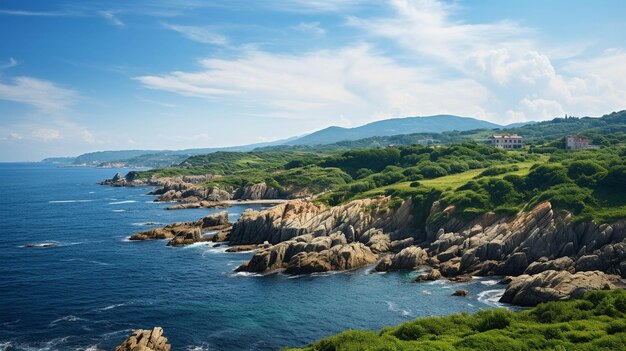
(89, 348)
(197, 348)
(110, 307)
(195, 245)
(88, 261)
(118, 210)
(5, 345)
(68, 318)
(245, 274)
(489, 282)
(426, 292)
(122, 202)
(92, 192)
(491, 297)
(45, 244)
(391, 306)
(67, 201)
(139, 224)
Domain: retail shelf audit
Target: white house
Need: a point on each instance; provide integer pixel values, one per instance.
(574, 142)
(507, 141)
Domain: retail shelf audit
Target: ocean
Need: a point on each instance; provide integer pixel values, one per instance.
(92, 289)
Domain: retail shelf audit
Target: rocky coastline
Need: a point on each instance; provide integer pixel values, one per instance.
(190, 192)
(544, 255)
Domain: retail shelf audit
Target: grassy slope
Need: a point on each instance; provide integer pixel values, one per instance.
(596, 322)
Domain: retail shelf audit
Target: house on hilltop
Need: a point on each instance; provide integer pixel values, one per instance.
(574, 142)
(507, 141)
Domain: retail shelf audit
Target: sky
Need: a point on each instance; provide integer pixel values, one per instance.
(80, 76)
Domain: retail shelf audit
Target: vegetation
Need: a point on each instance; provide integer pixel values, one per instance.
(595, 322)
(472, 176)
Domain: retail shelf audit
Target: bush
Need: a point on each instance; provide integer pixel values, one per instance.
(493, 319)
(544, 176)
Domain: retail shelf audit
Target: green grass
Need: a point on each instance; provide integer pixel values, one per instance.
(596, 322)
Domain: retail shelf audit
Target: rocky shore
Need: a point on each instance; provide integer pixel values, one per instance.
(187, 233)
(191, 192)
(301, 236)
(145, 340)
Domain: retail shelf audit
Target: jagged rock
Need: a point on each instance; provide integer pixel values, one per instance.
(379, 242)
(530, 290)
(188, 237)
(241, 248)
(145, 340)
(399, 245)
(516, 264)
(201, 204)
(559, 264)
(308, 254)
(297, 217)
(460, 293)
(407, 259)
(434, 274)
(256, 192)
(186, 233)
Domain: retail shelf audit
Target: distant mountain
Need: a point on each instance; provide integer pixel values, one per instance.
(394, 126)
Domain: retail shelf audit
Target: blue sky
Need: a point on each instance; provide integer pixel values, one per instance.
(79, 76)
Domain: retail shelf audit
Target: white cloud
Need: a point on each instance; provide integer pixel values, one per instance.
(46, 134)
(112, 18)
(311, 27)
(39, 93)
(203, 35)
(353, 82)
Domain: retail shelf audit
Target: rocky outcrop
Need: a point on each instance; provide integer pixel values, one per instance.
(145, 340)
(201, 204)
(185, 233)
(256, 192)
(434, 274)
(532, 242)
(297, 217)
(530, 290)
(309, 254)
(118, 180)
(408, 259)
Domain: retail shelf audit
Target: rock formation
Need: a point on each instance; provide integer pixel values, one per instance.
(145, 340)
(530, 290)
(185, 233)
(309, 254)
(409, 258)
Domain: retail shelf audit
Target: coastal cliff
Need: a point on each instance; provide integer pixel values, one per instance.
(304, 237)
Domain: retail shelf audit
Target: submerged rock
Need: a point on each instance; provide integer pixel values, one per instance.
(145, 340)
(530, 290)
(461, 293)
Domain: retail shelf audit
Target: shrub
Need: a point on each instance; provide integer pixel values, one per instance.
(493, 319)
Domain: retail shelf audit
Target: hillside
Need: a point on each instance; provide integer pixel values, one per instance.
(394, 126)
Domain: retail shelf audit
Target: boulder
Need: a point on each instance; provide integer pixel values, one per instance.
(461, 293)
(145, 340)
(434, 274)
(559, 264)
(410, 258)
(530, 290)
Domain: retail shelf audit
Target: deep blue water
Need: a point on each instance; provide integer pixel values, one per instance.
(95, 287)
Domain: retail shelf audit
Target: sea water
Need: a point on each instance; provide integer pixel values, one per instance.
(93, 286)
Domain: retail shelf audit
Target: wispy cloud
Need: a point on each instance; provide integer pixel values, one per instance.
(205, 35)
(354, 81)
(310, 27)
(37, 13)
(11, 63)
(110, 16)
(39, 93)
